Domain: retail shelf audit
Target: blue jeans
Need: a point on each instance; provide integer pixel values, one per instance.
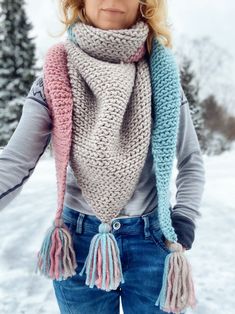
(142, 252)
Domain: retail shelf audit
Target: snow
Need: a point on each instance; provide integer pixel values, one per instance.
(25, 220)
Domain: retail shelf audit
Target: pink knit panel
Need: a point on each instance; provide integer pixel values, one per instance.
(58, 94)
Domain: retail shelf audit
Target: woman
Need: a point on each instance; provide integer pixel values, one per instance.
(111, 101)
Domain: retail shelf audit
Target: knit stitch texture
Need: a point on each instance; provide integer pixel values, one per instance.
(101, 111)
(166, 99)
(111, 114)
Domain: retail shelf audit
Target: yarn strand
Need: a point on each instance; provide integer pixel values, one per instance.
(56, 259)
(177, 292)
(103, 265)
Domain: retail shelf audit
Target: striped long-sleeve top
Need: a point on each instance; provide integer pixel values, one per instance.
(33, 134)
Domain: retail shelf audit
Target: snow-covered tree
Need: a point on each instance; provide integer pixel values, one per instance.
(17, 59)
(219, 126)
(190, 85)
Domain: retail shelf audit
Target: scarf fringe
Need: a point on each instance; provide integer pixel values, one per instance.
(56, 258)
(177, 292)
(103, 265)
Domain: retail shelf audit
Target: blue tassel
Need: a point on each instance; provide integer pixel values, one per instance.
(105, 273)
(56, 258)
(162, 295)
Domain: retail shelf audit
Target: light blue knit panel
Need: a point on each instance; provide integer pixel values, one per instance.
(70, 33)
(166, 96)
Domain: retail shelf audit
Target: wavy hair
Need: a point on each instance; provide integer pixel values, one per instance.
(154, 12)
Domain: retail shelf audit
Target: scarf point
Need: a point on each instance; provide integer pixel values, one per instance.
(177, 292)
(58, 222)
(103, 265)
(175, 247)
(104, 227)
(56, 259)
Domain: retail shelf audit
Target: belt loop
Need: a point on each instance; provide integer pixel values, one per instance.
(79, 222)
(146, 226)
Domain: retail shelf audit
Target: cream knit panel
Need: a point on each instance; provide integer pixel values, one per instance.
(111, 128)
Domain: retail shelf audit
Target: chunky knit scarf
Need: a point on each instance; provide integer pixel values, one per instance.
(97, 87)
(111, 113)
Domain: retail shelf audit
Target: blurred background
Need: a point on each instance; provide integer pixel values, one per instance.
(205, 51)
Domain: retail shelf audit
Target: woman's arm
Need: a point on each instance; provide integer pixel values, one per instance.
(190, 179)
(26, 145)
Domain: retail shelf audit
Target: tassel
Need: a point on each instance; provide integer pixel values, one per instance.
(177, 292)
(103, 264)
(56, 258)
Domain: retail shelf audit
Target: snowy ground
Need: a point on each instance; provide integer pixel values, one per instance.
(25, 220)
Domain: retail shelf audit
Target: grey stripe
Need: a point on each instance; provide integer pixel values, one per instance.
(186, 159)
(38, 100)
(184, 102)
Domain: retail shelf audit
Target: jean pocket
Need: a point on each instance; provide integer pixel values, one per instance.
(157, 236)
(69, 224)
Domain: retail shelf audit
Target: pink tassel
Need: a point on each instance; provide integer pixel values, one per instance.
(103, 264)
(56, 258)
(177, 291)
(98, 281)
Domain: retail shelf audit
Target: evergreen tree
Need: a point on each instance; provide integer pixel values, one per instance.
(17, 59)
(190, 86)
(219, 126)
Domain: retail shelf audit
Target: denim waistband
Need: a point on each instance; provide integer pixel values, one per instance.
(120, 225)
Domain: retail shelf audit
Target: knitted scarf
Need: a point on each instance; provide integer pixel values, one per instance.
(98, 92)
(111, 113)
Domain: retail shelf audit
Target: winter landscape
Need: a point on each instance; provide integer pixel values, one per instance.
(26, 219)
(206, 55)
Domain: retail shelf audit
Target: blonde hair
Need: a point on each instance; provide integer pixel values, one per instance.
(154, 13)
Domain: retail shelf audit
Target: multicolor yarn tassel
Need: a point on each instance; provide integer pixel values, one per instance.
(177, 292)
(56, 258)
(103, 264)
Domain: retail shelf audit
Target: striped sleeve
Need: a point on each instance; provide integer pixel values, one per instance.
(27, 144)
(190, 178)
(36, 92)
